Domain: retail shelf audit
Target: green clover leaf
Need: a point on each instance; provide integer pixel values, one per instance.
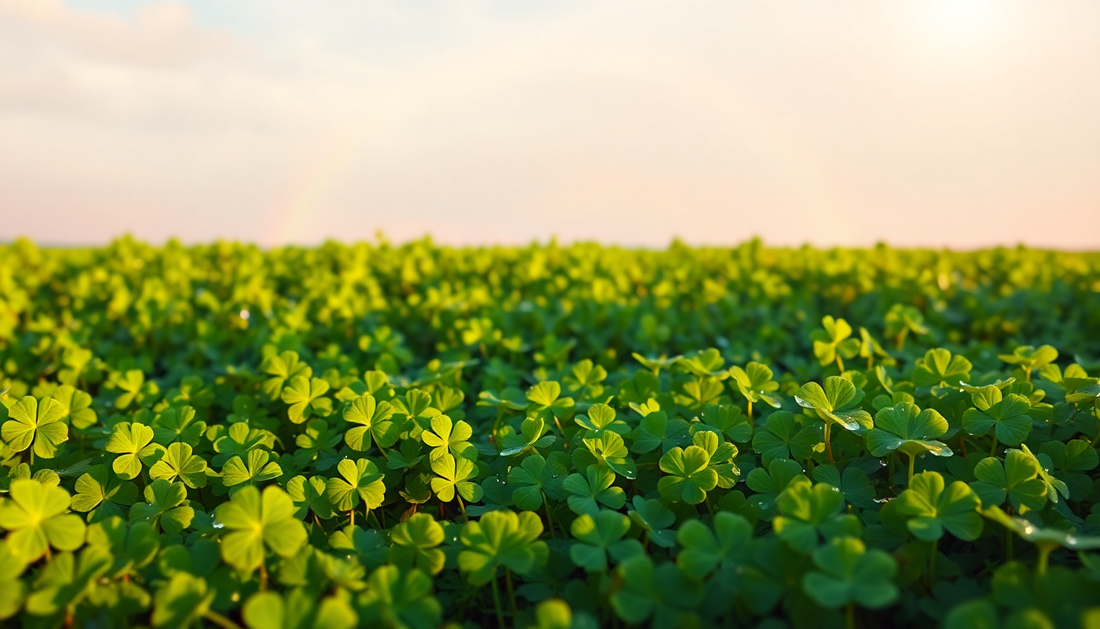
(1006, 415)
(76, 406)
(253, 521)
(101, 495)
(939, 368)
(656, 429)
(933, 509)
(832, 342)
(447, 436)
(837, 403)
(133, 443)
(587, 493)
(770, 481)
(259, 468)
(1016, 480)
(501, 539)
(37, 517)
(361, 479)
(282, 368)
(784, 438)
(310, 496)
(452, 475)
(400, 598)
(726, 547)
(663, 592)
(537, 480)
(906, 428)
(653, 517)
(179, 463)
(810, 512)
(602, 536)
(689, 476)
(38, 423)
(306, 398)
(756, 385)
(164, 507)
(415, 543)
(374, 420)
(849, 573)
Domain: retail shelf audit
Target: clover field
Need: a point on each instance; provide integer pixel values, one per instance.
(411, 435)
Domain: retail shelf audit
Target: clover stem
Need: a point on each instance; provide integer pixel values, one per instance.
(828, 445)
(220, 620)
(462, 507)
(496, 601)
(496, 424)
(750, 410)
(912, 461)
(901, 338)
(366, 514)
(850, 616)
(48, 556)
(549, 520)
(1027, 373)
(839, 363)
(511, 591)
(993, 450)
(263, 576)
(351, 516)
(1044, 555)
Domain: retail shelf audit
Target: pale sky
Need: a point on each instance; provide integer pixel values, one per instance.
(956, 123)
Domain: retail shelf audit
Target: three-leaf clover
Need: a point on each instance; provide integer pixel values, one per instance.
(689, 475)
(373, 419)
(101, 495)
(298, 608)
(447, 436)
(596, 487)
(784, 438)
(599, 537)
(1005, 415)
(179, 463)
(1029, 358)
(810, 512)
(258, 469)
(850, 574)
(164, 506)
(756, 385)
(530, 437)
(836, 403)
(939, 368)
(726, 547)
(653, 517)
(38, 423)
(934, 509)
(832, 343)
(399, 598)
(360, 479)
(1016, 480)
(306, 398)
(453, 476)
(415, 544)
(282, 368)
(133, 442)
(905, 428)
(536, 480)
(253, 521)
(37, 517)
(501, 539)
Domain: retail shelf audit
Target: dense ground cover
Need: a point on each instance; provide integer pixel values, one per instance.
(548, 436)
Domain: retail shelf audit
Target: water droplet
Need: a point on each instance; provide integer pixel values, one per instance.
(245, 315)
(1028, 530)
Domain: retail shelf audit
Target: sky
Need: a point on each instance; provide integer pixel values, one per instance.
(942, 123)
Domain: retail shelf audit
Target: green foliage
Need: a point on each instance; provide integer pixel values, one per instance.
(547, 436)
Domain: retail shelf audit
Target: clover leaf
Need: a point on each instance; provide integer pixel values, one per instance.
(453, 477)
(784, 438)
(1016, 480)
(415, 543)
(939, 368)
(810, 512)
(501, 539)
(36, 423)
(906, 428)
(177, 424)
(587, 493)
(306, 398)
(447, 436)
(662, 592)
(1005, 415)
(832, 342)
(258, 469)
(76, 406)
(756, 385)
(361, 479)
(934, 509)
(373, 419)
(599, 537)
(400, 598)
(101, 495)
(310, 495)
(164, 507)
(725, 548)
(179, 463)
(37, 517)
(133, 442)
(849, 573)
(253, 521)
(537, 480)
(297, 608)
(770, 481)
(1029, 358)
(281, 368)
(689, 475)
(653, 517)
(656, 429)
(530, 437)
